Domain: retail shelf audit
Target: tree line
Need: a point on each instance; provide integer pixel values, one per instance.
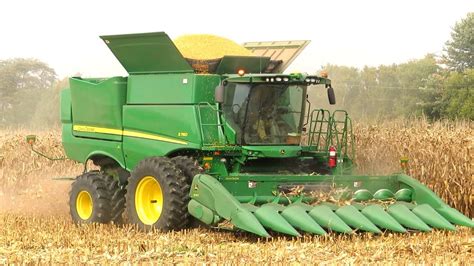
(29, 93)
(436, 87)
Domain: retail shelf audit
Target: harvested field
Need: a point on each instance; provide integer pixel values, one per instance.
(48, 240)
(35, 226)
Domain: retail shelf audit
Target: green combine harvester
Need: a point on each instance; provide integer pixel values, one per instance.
(181, 140)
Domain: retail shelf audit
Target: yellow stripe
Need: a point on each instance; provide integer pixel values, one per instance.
(150, 136)
(127, 133)
(103, 130)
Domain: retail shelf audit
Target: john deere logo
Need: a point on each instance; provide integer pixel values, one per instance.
(282, 152)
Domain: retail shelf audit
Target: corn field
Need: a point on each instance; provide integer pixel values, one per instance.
(441, 155)
(35, 226)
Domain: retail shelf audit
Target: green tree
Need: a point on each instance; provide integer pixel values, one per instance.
(22, 73)
(416, 91)
(459, 51)
(386, 91)
(416, 73)
(345, 80)
(22, 83)
(458, 95)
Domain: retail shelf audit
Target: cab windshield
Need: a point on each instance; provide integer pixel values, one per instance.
(265, 114)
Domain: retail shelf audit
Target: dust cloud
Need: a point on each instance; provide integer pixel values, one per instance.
(26, 179)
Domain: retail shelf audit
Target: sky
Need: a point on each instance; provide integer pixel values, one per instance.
(64, 34)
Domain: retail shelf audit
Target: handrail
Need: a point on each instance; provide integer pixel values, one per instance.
(316, 128)
(210, 105)
(220, 133)
(338, 131)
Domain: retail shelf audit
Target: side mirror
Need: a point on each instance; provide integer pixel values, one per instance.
(331, 96)
(219, 94)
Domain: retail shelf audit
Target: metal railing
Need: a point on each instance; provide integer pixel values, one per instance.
(319, 128)
(210, 124)
(326, 129)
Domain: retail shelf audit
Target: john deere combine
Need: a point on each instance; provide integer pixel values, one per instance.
(235, 140)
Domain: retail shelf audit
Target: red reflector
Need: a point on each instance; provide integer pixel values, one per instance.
(332, 157)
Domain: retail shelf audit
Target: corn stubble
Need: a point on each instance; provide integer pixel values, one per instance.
(35, 226)
(25, 239)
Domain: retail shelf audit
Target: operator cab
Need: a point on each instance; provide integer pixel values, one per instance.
(265, 114)
(267, 110)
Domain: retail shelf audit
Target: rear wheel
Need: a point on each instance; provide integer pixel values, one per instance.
(156, 195)
(115, 178)
(89, 199)
(190, 168)
(117, 200)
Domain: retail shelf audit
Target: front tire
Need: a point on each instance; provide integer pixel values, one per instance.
(89, 199)
(156, 195)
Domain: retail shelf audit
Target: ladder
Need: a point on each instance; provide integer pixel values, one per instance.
(210, 124)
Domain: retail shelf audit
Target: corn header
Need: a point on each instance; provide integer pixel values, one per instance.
(231, 138)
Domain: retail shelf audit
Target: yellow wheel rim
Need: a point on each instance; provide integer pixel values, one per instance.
(148, 200)
(84, 205)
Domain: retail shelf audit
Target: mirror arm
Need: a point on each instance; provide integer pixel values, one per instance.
(309, 109)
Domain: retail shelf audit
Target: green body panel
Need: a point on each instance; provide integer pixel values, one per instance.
(178, 122)
(146, 53)
(65, 112)
(137, 149)
(204, 88)
(80, 149)
(175, 123)
(165, 89)
(272, 151)
(171, 88)
(99, 136)
(97, 103)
